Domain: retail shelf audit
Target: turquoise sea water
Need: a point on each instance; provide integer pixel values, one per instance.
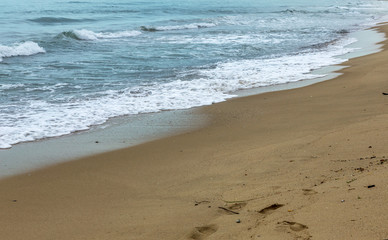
(67, 65)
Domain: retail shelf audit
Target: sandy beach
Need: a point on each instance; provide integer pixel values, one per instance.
(306, 163)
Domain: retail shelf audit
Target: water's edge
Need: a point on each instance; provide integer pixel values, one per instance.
(122, 132)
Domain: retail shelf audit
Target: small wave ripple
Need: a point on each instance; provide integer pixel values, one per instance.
(178, 27)
(56, 20)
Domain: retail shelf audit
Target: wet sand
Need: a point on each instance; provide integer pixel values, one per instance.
(306, 163)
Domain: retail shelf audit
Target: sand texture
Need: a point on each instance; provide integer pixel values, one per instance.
(307, 163)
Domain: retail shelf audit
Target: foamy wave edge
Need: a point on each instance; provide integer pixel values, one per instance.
(22, 49)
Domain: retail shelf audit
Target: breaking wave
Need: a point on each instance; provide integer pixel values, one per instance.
(21, 49)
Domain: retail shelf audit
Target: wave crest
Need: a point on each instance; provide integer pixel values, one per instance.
(22, 49)
(88, 35)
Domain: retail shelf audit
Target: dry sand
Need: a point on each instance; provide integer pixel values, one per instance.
(294, 164)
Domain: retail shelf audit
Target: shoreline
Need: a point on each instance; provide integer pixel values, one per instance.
(123, 132)
(119, 133)
(302, 163)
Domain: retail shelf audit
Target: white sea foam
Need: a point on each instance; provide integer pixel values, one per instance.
(232, 76)
(21, 49)
(10, 86)
(40, 119)
(84, 34)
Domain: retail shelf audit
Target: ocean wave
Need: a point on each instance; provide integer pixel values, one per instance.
(178, 27)
(88, 35)
(21, 49)
(57, 20)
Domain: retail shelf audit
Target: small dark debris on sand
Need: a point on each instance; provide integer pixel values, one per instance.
(230, 211)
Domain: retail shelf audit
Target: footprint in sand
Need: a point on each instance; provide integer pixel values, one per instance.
(308, 192)
(202, 232)
(294, 226)
(270, 209)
